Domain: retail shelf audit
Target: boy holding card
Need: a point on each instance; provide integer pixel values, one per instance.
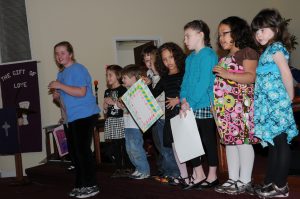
(133, 136)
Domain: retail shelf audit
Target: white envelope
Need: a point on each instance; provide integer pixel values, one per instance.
(187, 141)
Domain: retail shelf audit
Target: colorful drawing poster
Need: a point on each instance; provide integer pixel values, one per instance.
(61, 140)
(142, 105)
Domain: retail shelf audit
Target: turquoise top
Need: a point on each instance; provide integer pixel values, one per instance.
(197, 85)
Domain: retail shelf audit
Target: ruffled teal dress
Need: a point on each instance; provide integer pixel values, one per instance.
(273, 112)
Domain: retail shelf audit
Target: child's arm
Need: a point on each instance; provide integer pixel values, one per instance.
(158, 88)
(71, 90)
(109, 101)
(120, 104)
(172, 102)
(105, 106)
(247, 77)
(56, 96)
(285, 71)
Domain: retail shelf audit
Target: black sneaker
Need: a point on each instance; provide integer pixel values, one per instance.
(86, 192)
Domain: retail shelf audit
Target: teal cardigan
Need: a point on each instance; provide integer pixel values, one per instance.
(198, 80)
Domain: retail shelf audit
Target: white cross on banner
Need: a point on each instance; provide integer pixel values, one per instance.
(9, 143)
(6, 126)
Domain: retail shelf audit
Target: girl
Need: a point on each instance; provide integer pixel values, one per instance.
(273, 115)
(75, 88)
(168, 166)
(114, 123)
(170, 65)
(196, 91)
(233, 102)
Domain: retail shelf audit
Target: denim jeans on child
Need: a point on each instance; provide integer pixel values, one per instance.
(134, 146)
(169, 166)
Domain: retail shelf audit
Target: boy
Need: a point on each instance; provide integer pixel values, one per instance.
(133, 136)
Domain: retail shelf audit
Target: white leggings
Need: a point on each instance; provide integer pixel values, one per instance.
(240, 159)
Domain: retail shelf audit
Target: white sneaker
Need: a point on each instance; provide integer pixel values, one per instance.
(141, 176)
(135, 173)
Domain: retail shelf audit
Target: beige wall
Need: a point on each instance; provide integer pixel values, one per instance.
(91, 26)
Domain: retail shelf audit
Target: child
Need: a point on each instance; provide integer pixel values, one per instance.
(274, 123)
(146, 55)
(166, 156)
(133, 135)
(196, 90)
(233, 102)
(114, 123)
(75, 89)
(171, 68)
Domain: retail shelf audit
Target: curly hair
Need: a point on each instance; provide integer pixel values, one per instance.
(178, 54)
(271, 18)
(200, 26)
(240, 32)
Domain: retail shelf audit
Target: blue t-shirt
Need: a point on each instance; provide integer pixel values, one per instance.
(78, 107)
(197, 85)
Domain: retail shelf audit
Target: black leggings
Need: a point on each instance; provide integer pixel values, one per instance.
(207, 131)
(279, 158)
(80, 136)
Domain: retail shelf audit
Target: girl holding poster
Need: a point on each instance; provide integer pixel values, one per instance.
(196, 91)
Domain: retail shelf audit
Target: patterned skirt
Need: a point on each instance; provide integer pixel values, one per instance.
(114, 128)
(233, 107)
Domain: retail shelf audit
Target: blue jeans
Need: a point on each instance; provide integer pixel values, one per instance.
(134, 146)
(168, 162)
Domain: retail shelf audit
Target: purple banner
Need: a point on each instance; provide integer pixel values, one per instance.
(19, 90)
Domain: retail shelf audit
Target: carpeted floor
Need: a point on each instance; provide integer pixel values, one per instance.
(52, 181)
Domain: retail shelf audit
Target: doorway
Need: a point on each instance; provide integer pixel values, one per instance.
(128, 50)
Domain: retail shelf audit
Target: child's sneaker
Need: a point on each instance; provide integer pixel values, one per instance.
(140, 176)
(86, 192)
(71, 168)
(273, 191)
(74, 192)
(135, 173)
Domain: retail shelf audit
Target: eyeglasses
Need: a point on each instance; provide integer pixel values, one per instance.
(223, 34)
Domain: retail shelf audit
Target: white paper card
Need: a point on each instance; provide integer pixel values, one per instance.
(187, 141)
(142, 105)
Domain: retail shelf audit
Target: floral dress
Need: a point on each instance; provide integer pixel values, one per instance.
(233, 103)
(273, 113)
